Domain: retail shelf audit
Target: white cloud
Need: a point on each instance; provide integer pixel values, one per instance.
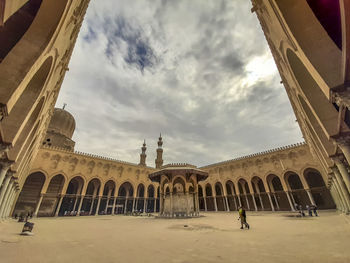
(198, 71)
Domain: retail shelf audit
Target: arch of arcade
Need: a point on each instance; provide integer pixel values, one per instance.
(63, 182)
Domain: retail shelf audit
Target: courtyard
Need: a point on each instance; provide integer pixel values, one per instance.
(214, 237)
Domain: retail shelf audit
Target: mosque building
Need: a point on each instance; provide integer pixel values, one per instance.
(64, 182)
(41, 173)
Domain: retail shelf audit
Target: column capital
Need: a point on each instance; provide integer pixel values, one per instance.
(12, 174)
(3, 111)
(338, 159)
(6, 164)
(335, 170)
(4, 148)
(341, 98)
(342, 141)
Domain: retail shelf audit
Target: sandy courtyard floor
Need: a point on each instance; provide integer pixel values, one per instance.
(216, 237)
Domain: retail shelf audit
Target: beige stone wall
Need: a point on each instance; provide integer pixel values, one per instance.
(33, 62)
(37, 63)
(294, 158)
(8, 8)
(51, 162)
(309, 63)
(314, 68)
(112, 175)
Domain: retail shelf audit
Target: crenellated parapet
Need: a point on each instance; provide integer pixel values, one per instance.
(178, 165)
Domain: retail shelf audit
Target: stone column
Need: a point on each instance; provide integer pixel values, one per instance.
(252, 194)
(80, 204)
(155, 205)
(5, 165)
(227, 206)
(14, 200)
(253, 197)
(339, 202)
(133, 204)
(92, 204)
(98, 205)
(197, 203)
(4, 189)
(160, 204)
(205, 201)
(310, 196)
(235, 201)
(342, 188)
(247, 200)
(239, 200)
(261, 202)
(345, 148)
(125, 204)
(188, 205)
(106, 208)
(290, 201)
(215, 203)
(75, 203)
(336, 197)
(38, 205)
(271, 203)
(343, 171)
(9, 203)
(5, 201)
(171, 203)
(343, 201)
(341, 196)
(276, 200)
(291, 195)
(59, 205)
(144, 205)
(114, 203)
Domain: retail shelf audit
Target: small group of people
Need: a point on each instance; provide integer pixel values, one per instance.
(310, 208)
(23, 217)
(70, 213)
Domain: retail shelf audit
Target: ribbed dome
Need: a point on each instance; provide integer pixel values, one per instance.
(62, 122)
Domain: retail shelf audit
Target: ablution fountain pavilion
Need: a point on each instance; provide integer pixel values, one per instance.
(178, 189)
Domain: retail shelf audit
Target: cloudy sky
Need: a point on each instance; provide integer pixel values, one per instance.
(200, 72)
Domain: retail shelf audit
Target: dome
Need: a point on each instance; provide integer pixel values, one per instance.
(62, 122)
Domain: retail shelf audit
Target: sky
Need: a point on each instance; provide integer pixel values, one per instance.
(200, 72)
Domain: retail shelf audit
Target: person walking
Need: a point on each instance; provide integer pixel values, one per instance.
(243, 217)
(302, 214)
(314, 208)
(296, 206)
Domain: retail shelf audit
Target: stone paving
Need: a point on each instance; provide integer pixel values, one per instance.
(215, 237)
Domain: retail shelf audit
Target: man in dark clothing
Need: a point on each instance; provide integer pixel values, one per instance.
(243, 217)
(314, 208)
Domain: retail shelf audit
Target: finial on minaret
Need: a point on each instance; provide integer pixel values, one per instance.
(143, 154)
(160, 142)
(159, 160)
(64, 106)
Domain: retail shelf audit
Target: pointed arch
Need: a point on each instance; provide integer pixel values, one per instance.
(30, 194)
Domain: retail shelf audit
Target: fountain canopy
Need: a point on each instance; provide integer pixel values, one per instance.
(178, 189)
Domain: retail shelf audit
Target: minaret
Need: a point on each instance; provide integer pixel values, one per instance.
(159, 160)
(143, 154)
